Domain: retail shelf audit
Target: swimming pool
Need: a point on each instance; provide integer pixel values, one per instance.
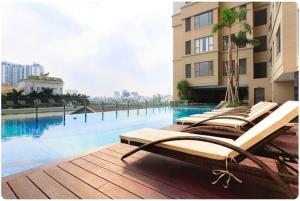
(27, 144)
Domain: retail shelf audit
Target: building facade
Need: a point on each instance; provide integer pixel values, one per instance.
(12, 73)
(268, 71)
(37, 83)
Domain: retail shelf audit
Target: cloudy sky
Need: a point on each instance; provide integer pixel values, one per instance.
(96, 46)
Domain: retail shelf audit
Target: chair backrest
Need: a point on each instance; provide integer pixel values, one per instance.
(269, 125)
(261, 111)
(257, 105)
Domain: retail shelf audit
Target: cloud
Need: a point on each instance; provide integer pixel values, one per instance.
(95, 46)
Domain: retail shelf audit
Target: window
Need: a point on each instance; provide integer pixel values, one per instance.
(241, 18)
(243, 44)
(260, 70)
(260, 17)
(204, 44)
(225, 63)
(243, 66)
(203, 19)
(259, 95)
(225, 43)
(278, 41)
(187, 24)
(187, 70)
(204, 69)
(262, 44)
(188, 47)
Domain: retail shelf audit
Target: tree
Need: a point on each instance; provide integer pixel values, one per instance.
(183, 89)
(15, 94)
(240, 40)
(230, 18)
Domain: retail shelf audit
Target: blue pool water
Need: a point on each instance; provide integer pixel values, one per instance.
(27, 144)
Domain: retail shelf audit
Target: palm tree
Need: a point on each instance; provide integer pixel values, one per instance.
(230, 18)
(240, 40)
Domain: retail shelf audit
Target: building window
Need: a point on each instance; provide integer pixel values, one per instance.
(260, 70)
(243, 44)
(187, 70)
(260, 17)
(225, 63)
(259, 95)
(204, 69)
(278, 41)
(203, 19)
(187, 24)
(188, 47)
(204, 44)
(225, 43)
(241, 18)
(262, 44)
(242, 66)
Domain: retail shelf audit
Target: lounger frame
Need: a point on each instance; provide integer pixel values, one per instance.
(281, 179)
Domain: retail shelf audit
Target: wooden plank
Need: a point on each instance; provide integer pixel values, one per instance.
(76, 186)
(166, 189)
(146, 181)
(105, 164)
(116, 192)
(7, 193)
(131, 186)
(50, 187)
(25, 189)
(83, 175)
(170, 172)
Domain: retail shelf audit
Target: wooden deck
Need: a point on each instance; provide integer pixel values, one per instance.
(101, 174)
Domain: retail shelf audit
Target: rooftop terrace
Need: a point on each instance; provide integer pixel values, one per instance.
(101, 174)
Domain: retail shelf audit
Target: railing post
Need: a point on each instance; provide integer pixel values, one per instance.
(36, 114)
(85, 115)
(116, 109)
(64, 114)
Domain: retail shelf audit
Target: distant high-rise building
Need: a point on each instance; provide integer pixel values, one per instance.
(125, 94)
(12, 73)
(116, 94)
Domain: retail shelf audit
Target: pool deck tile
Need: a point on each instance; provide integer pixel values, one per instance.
(101, 174)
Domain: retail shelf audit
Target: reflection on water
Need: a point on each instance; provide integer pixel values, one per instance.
(27, 127)
(27, 144)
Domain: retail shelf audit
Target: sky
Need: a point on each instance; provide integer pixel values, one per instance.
(95, 46)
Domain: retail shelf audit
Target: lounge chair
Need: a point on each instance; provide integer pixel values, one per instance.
(214, 152)
(231, 111)
(233, 121)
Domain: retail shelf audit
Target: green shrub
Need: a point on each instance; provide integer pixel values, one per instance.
(183, 89)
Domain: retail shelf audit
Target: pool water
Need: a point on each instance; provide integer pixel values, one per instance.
(27, 143)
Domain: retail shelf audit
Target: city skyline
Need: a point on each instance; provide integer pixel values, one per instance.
(75, 41)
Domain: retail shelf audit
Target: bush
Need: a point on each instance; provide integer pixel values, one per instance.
(183, 89)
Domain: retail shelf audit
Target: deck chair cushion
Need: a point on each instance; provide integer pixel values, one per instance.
(263, 129)
(277, 119)
(197, 148)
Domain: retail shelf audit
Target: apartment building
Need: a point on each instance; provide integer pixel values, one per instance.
(267, 72)
(12, 73)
